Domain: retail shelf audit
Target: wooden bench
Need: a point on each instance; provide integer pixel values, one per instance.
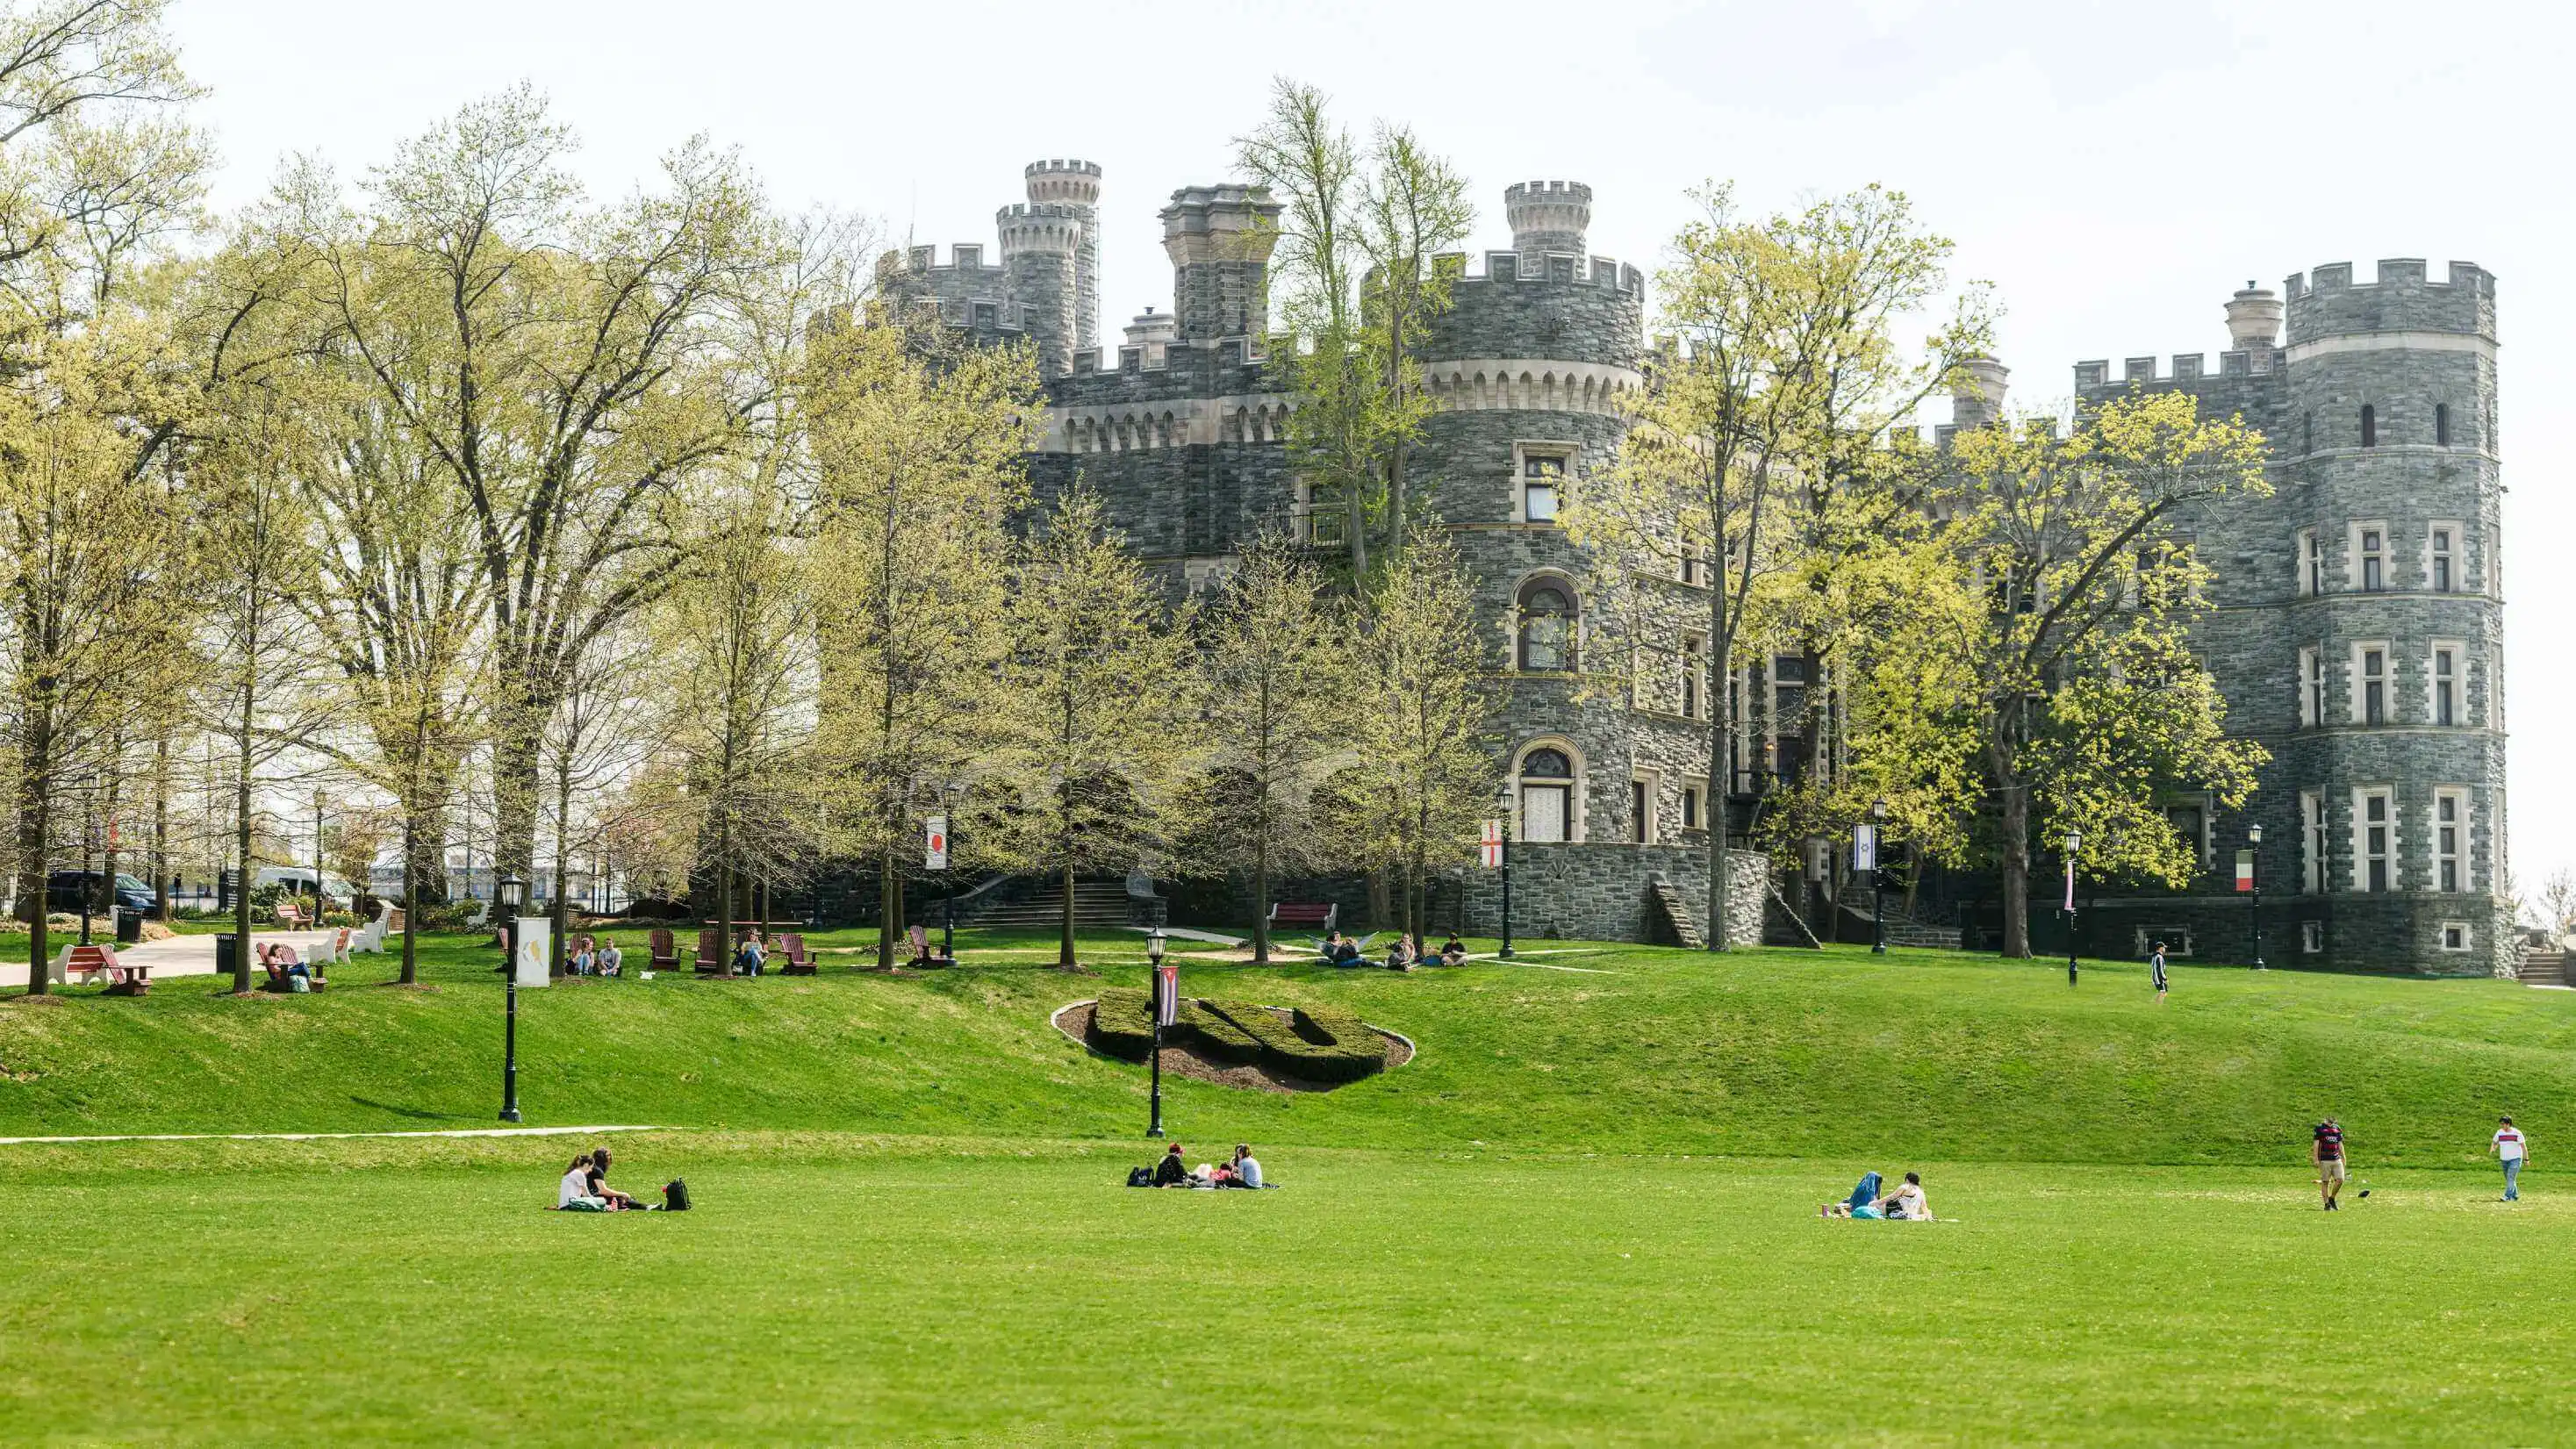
(791, 954)
(1305, 915)
(290, 915)
(122, 979)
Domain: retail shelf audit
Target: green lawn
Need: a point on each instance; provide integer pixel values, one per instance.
(1586, 1213)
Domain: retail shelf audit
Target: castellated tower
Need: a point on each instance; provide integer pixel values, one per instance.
(2356, 628)
(1219, 240)
(1548, 216)
(1075, 185)
(1040, 243)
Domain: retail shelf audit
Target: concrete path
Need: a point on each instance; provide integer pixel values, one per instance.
(330, 1136)
(179, 955)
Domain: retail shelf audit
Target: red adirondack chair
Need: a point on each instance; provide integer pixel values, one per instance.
(712, 957)
(791, 947)
(666, 957)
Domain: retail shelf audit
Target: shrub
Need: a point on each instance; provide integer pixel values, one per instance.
(1322, 1045)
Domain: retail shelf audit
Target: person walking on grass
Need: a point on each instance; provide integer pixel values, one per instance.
(2156, 971)
(2328, 1156)
(2510, 1149)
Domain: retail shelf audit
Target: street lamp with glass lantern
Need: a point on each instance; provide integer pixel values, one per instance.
(510, 893)
(2254, 880)
(1877, 877)
(1154, 944)
(1503, 807)
(2074, 843)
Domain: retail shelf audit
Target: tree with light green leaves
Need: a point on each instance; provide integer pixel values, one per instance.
(1758, 463)
(1103, 708)
(1426, 714)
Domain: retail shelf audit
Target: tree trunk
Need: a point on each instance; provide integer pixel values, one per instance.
(106, 884)
(518, 775)
(724, 892)
(35, 840)
(1261, 899)
(886, 911)
(161, 828)
(241, 852)
(2016, 870)
(563, 856)
(1381, 902)
(1064, 950)
(411, 899)
(1720, 691)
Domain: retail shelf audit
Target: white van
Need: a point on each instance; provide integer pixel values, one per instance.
(298, 880)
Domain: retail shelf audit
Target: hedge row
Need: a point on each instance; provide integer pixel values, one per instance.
(1320, 1045)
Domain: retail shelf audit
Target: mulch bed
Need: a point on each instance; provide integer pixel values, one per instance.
(1075, 1022)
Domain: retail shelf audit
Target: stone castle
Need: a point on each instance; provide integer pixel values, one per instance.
(2357, 611)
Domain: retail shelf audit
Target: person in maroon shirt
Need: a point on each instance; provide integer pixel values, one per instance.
(2328, 1156)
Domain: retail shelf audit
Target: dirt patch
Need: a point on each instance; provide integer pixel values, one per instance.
(1075, 1021)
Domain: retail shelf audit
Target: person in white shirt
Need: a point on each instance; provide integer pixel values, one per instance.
(610, 958)
(575, 1187)
(1908, 1202)
(1247, 1169)
(2510, 1149)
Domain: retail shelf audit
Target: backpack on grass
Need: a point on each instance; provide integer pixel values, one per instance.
(675, 1197)
(1140, 1177)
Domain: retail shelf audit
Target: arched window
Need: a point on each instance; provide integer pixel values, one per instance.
(2369, 426)
(2442, 424)
(1547, 796)
(1547, 626)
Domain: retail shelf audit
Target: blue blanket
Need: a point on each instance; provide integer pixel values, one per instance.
(1865, 1195)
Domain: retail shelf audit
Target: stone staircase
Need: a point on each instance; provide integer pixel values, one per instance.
(1902, 930)
(1679, 918)
(2544, 968)
(1097, 905)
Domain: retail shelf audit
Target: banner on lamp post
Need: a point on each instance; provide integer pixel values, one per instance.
(935, 844)
(1492, 849)
(2070, 884)
(1167, 995)
(1864, 848)
(2244, 870)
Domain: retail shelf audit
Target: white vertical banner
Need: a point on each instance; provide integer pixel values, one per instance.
(1864, 847)
(536, 936)
(1492, 847)
(935, 844)
(1167, 995)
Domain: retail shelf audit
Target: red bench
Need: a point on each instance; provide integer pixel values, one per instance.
(1308, 915)
(122, 980)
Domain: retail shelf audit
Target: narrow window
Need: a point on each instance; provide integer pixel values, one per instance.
(2442, 424)
(1690, 807)
(1694, 675)
(2312, 938)
(2374, 686)
(2369, 426)
(2442, 573)
(2446, 838)
(2374, 845)
(2374, 561)
(1547, 626)
(2446, 686)
(1542, 484)
(2312, 563)
(2312, 689)
(1640, 817)
(2312, 810)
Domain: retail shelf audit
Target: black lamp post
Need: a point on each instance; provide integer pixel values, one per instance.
(950, 797)
(1877, 878)
(511, 893)
(2254, 878)
(1503, 806)
(2074, 843)
(1154, 944)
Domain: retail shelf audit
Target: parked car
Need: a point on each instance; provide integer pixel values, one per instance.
(298, 880)
(64, 890)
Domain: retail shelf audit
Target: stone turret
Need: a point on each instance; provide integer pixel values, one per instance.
(1219, 240)
(1977, 393)
(1149, 335)
(2254, 319)
(1039, 242)
(1548, 216)
(1076, 185)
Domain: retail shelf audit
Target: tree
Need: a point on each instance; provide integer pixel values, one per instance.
(1271, 651)
(597, 737)
(2553, 908)
(1425, 746)
(1357, 252)
(563, 369)
(1786, 374)
(1103, 718)
(921, 446)
(736, 636)
(2051, 616)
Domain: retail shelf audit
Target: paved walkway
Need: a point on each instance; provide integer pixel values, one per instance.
(329, 1136)
(177, 956)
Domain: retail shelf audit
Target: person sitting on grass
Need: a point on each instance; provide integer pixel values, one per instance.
(1908, 1203)
(573, 1194)
(1399, 957)
(598, 1180)
(1172, 1171)
(1247, 1169)
(609, 958)
(1863, 1202)
(1454, 953)
(582, 963)
(1331, 950)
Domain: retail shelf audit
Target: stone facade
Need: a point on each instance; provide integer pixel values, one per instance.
(1181, 432)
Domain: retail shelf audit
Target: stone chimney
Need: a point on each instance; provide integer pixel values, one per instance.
(1219, 240)
(1977, 393)
(2254, 319)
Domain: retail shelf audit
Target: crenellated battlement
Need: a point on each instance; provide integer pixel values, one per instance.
(2327, 302)
(963, 257)
(1543, 268)
(2186, 367)
(1040, 226)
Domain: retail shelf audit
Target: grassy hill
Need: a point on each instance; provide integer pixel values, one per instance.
(1617, 1049)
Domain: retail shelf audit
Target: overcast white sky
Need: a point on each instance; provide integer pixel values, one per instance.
(2116, 169)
